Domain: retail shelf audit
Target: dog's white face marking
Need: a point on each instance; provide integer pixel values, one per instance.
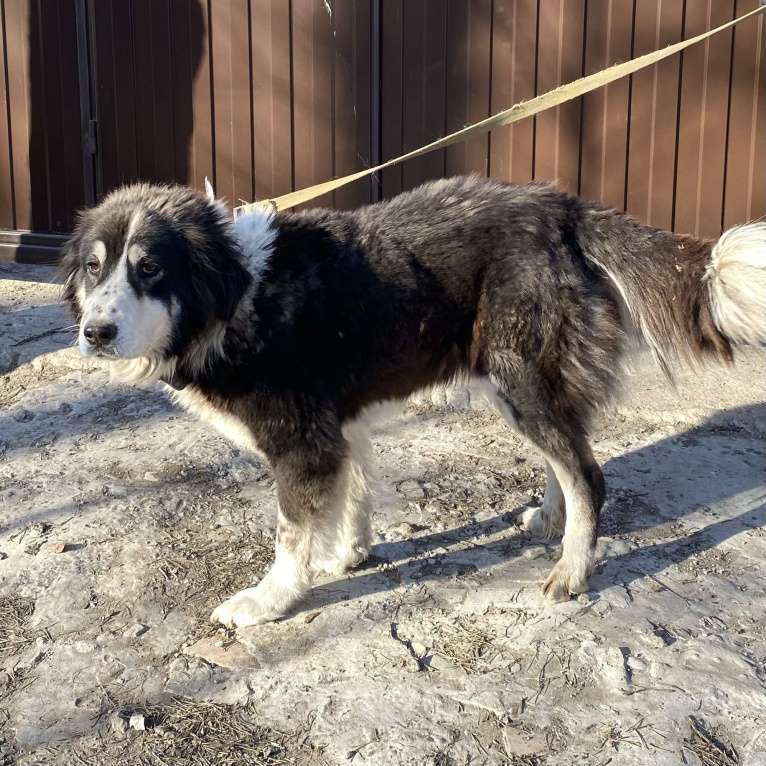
(99, 250)
(143, 324)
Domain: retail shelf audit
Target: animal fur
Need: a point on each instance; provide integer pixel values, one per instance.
(287, 330)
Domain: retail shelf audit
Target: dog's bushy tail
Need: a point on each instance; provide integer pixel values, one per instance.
(689, 300)
(736, 280)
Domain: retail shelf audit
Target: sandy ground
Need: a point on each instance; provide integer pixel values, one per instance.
(123, 522)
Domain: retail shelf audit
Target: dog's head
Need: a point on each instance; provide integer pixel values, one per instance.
(151, 271)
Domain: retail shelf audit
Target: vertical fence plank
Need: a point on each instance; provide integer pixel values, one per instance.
(313, 113)
(757, 206)
(102, 47)
(41, 116)
(191, 95)
(7, 205)
(67, 183)
(609, 38)
(353, 108)
(392, 92)
(703, 119)
(559, 60)
(514, 54)
(424, 47)
(757, 203)
(115, 67)
(229, 24)
(272, 140)
(143, 93)
(745, 190)
(469, 67)
(121, 91)
(17, 50)
(156, 133)
(201, 149)
(164, 127)
(654, 111)
(181, 98)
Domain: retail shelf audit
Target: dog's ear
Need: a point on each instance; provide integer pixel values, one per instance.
(220, 278)
(219, 275)
(228, 285)
(69, 268)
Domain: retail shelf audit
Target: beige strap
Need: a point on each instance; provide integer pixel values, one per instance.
(517, 112)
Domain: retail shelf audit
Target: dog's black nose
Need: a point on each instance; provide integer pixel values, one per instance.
(99, 334)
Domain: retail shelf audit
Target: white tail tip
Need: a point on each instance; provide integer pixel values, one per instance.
(209, 191)
(736, 278)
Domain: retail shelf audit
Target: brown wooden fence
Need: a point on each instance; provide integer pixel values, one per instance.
(264, 96)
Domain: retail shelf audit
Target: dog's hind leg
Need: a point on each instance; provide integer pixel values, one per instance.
(349, 535)
(546, 520)
(584, 491)
(566, 450)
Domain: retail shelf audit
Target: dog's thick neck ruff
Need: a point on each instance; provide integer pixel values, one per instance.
(175, 379)
(254, 235)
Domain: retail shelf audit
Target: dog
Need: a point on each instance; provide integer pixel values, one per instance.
(284, 330)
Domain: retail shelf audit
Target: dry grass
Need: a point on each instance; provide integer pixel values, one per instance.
(15, 634)
(8, 751)
(199, 572)
(709, 745)
(443, 758)
(184, 732)
(465, 645)
(614, 736)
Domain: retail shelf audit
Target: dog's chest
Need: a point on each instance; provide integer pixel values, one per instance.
(228, 425)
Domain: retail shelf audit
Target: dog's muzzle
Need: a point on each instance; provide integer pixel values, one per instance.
(99, 334)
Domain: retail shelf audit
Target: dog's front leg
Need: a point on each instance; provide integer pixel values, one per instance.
(307, 492)
(288, 579)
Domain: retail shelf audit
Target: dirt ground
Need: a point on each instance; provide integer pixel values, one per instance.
(123, 522)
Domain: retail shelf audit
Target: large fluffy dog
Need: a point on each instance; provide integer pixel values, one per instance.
(284, 330)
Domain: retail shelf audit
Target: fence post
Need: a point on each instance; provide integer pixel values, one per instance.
(375, 99)
(88, 108)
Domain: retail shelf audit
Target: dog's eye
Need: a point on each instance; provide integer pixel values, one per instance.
(93, 267)
(148, 268)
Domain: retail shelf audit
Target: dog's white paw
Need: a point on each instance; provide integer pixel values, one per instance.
(347, 558)
(540, 521)
(531, 520)
(248, 607)
(568, 578)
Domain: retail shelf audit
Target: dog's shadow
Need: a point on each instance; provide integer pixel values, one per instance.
(698, 472)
